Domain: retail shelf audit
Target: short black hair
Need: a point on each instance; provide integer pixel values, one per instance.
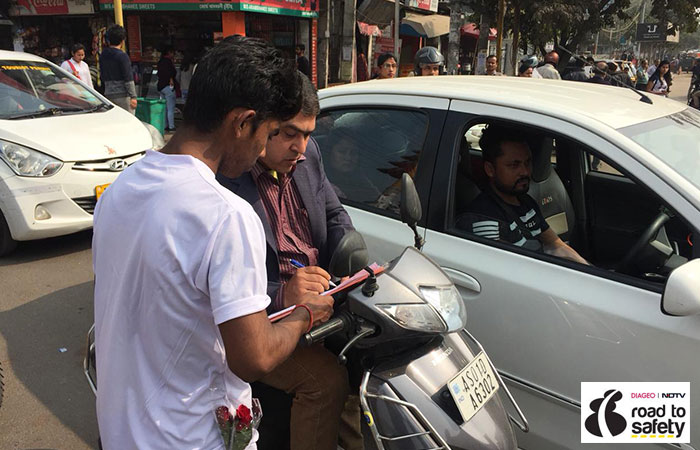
(242, 72)
(116, 34)
(301, 47)
(492, 56)
(76, 48)
(493, 137)
(309, 97)
(384, 57)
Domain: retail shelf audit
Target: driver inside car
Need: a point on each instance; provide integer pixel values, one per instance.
(504, 211)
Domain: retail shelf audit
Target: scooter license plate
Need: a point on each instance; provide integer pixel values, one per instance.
(473, 386)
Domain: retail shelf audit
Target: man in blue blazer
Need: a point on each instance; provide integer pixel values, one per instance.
(304, 222)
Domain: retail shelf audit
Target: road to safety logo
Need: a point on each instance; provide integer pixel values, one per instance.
(635, 412)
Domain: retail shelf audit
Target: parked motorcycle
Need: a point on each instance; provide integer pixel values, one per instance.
(426, 382)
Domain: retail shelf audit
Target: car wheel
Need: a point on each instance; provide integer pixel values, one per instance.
(7, 244)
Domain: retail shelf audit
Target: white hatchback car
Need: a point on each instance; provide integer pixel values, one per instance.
(61, 144)
(615, 176)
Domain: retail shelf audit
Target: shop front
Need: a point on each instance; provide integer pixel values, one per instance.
(49, 29)
(191, 27)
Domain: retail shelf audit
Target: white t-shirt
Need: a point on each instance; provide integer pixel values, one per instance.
(175, 254)
(81, 67)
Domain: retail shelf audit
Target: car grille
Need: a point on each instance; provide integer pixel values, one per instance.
(103, 165)
(87, 203)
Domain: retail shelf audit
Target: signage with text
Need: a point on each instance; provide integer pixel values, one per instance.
(299, 8)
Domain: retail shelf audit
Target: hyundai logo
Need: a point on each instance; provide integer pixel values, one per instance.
(117, 165)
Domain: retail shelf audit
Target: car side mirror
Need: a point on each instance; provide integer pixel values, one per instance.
(681, 296)
(350, 256)
(411, 211)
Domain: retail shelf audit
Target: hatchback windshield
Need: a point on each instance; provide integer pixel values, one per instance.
(674, 139)
(32, 89)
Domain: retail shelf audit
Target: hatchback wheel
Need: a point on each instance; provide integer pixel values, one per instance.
(7, 244)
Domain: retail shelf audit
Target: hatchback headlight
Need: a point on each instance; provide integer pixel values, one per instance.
(448, 303)
(27, 162)
(415, 316)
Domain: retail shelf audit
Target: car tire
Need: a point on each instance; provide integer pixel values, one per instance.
(7, 244)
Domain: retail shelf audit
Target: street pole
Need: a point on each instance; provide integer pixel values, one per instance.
(641, 20)
(397, 55)
(499, 38)
(118, 15)
(595, 49)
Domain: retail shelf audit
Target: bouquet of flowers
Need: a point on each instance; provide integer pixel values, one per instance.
(237, 428)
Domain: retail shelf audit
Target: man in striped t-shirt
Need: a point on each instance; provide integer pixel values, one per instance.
(504, 211)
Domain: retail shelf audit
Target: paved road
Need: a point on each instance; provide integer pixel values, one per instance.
(45, 306)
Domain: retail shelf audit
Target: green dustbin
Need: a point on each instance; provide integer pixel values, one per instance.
(152, 110)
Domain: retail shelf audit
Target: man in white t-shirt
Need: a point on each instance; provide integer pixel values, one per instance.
(180, 278)
(76, 66)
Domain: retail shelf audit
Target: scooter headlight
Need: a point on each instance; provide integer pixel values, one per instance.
(415, 316)
(448, 303)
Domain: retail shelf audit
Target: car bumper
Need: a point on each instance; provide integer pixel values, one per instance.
(69, 197)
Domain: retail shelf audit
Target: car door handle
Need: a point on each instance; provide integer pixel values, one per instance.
(462, 279)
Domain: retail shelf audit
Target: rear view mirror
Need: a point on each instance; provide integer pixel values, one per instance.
(682, 293)
(411, 210)
(350, 256)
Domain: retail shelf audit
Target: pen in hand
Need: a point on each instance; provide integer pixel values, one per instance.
(299, 265)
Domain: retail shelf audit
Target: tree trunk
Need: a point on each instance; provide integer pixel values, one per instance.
(516, 35)
(482, 42)
(455, 36)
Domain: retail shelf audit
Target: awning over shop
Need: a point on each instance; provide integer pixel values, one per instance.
(369, 30)
(430, 26)
(470, 29)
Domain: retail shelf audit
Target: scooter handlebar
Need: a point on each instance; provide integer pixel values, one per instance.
(324, 330)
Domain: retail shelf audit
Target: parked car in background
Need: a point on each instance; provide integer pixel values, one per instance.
(61, 145)
(617, 178)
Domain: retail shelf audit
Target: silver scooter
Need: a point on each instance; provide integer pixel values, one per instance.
(427, 383)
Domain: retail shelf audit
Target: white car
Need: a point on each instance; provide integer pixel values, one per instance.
(615, 176)
(61, 144)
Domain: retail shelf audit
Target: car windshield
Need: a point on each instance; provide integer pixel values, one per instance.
(675, 139)
(31, 88)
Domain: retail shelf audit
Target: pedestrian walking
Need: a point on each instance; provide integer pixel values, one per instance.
(387, 66)
(492, 66)
(642, 75)
(179, 263)
(302, 61)
(167, 85)
(660, 82)
(549, 69)
(184, 75)
(115, 71)
(77, 66)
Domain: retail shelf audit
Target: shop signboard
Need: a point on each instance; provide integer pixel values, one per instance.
(298, 8)
(651, 32)
(50, 7)
(428, 5)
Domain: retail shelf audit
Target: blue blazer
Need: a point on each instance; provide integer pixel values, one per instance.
(329, 220)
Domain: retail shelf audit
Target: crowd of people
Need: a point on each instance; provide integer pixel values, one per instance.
(655, 78)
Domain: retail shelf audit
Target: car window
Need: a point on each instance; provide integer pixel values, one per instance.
(601, 219)
(366, 151)
(28, 88)
(597, 165)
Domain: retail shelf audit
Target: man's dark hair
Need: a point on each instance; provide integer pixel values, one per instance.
(492, 56)
(116, 34)
(493, 137)
(590, 59)
(384, 57)
(301, 47)
(579, 62)
(76, 48)
(309, 97)
(242, 72)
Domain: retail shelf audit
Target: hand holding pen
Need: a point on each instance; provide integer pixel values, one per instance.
(299, 265)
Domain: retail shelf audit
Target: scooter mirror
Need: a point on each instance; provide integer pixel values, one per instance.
(350, 256)
(411, 211)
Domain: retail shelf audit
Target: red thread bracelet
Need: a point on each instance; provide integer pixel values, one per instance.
(311, 316)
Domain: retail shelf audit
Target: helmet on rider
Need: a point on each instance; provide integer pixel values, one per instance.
(428, 61)
(529, 61)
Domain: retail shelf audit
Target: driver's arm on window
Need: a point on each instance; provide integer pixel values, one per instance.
(553, 245)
